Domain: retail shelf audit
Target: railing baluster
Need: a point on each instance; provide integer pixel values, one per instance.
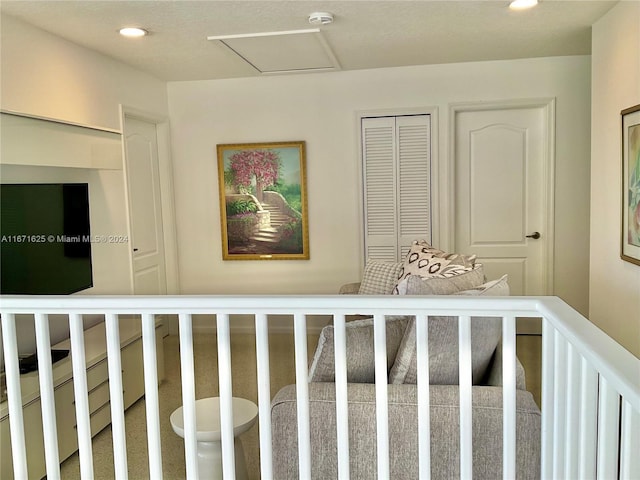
(47, 400)
(509, 397)
(559, 404)
(81, 395)
(548, 413)
(151, 394)
(226, 396)
(466, 402)
(382, 400)
(116, 397)
(302, 396)
(264, 395)
(629, 458)
(572, 422)
(342, 402)
(608, 435)
(188, 395)
(14, 395)
(588, 422)
(424, 410)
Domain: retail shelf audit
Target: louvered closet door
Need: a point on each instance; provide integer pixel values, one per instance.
(397, 184)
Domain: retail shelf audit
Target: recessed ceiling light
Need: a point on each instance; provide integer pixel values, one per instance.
(522, 4)
(133, 32)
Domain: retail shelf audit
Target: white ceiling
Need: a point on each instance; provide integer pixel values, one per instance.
(365, 34)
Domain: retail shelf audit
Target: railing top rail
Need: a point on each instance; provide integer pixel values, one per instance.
(270, 304)
(619, 366)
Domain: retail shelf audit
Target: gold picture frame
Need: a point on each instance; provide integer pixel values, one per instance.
(263, 201)
(630, 237)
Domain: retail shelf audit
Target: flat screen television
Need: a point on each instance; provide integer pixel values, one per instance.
(46, 238)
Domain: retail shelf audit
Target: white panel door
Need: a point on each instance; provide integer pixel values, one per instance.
(500, 204)
(145, 210)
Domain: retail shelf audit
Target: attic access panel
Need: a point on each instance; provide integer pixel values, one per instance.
(282, 52)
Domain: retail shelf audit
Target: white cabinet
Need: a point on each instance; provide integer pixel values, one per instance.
(65, 420)
(98, 395)
(34, 438)
(132, 373)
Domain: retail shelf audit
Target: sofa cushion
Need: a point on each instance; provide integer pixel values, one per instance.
(404, 456)
(379, 278)
(443, 345)
(360, 350)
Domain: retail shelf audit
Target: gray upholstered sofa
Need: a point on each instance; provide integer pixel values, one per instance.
(402, 394)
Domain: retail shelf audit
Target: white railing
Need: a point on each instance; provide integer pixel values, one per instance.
(590, 385)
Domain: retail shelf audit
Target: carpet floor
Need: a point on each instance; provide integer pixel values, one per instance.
(243, 359)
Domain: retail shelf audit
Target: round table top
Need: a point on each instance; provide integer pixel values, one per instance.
(245, 413)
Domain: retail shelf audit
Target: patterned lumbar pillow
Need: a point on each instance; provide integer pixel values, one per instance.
(379, 278)
(425, 261)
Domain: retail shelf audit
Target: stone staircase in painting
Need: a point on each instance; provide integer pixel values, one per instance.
(271, 234)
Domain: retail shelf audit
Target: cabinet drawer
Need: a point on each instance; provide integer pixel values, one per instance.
(98, 396)
(97, 374)
(99, 419)
(65, 420)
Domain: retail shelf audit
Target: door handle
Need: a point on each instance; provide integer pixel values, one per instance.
(534, 235)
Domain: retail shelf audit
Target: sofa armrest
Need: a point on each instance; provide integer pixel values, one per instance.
(494, 372)
(349, 288)
(403, 432)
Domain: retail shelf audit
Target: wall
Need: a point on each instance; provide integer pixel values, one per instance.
(615, 284)
(45, 75)
(321, 109)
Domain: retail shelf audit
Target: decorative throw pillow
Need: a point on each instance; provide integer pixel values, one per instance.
(471, 279)
(379, 278)
(360, 350)
(494, 288)
(426, 261)
(443, 345)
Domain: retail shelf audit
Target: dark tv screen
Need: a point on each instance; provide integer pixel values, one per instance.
(46, 238)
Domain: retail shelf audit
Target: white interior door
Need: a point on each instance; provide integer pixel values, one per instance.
(502, 193)
(145, 207)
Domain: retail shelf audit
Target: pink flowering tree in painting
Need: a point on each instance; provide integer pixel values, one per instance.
(261, 165)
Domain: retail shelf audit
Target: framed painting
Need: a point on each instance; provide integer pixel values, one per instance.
(263, 201)
(631, 185)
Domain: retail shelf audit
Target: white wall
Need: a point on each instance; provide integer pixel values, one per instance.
(615, 284)
(45, 75)
(321, 109)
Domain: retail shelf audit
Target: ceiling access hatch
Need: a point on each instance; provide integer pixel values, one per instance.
(292, 51)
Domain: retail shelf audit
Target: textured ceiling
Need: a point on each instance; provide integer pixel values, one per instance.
(365, 34)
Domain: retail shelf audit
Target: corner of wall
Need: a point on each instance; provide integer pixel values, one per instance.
(614, 304)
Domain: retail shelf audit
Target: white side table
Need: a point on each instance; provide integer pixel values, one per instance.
(245, 413)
